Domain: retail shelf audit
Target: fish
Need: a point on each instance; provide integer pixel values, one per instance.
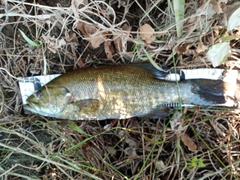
(120, 92)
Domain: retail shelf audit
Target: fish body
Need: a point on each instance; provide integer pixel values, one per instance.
(118, 92)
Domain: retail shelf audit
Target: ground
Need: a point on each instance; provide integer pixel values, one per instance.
(192, 143)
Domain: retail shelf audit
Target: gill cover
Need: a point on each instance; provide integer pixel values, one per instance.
(49, 100)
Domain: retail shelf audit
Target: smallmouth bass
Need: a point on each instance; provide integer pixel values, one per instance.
(119, 92)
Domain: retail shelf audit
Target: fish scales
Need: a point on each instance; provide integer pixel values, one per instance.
(116, 87)
(116, 92)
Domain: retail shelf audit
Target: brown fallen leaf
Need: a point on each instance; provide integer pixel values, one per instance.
(120, 40)
(201, 48)
(72, 37)
(80, 62)
(147, 33)
(53, 44)
(176, 120)
(183, 48)
(91, 34)
(213, 7)
(109, 50)
(187, 141)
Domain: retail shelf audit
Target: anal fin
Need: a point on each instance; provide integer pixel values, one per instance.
(159, 112)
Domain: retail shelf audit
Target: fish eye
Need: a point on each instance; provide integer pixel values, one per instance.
(38, 94)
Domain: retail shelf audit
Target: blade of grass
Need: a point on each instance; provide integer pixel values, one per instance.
(76, 128)
(178, 6)
(75, 168)
(29, 41)
(3, 99)
(149, 57)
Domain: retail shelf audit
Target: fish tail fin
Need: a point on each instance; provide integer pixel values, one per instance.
(208, 92)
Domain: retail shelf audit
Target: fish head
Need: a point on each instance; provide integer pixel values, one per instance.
(48, 101)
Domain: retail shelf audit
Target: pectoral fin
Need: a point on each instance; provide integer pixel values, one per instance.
(87, 106)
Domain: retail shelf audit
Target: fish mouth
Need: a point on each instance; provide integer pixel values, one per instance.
(30, 108)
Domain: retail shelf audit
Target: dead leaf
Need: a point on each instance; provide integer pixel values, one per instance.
(80, 62)
(201, 48)
(147, 33)
(215, 7)
(91, 34)
(108, 48)
(160, 165)
(234, 18)
(187, 141)
(212, 7)
(176, 120)
(223, 1)
(72, 37)
(130, 152)
(53, 44)
(120, 40)
(131, 142)
(183, 48)
(96, 40)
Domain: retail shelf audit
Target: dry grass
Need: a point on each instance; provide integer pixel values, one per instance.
(193, 143)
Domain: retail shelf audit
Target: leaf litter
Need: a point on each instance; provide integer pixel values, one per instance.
(77, 34)
(147, 33)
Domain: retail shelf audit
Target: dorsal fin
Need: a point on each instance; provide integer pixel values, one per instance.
(158, 74)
